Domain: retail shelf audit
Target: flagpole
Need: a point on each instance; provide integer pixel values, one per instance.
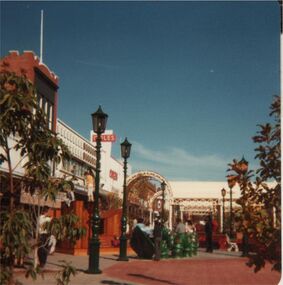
(41, 37)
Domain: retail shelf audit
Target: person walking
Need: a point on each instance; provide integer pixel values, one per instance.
(44, 247)
(157, 235)
(180, 228)
(208, 234)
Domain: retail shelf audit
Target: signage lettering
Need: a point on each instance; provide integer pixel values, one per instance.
(105, 138)
(113, 174)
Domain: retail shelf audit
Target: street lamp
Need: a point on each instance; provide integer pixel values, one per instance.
(231, 183)
(125, 153)
(99, 120)
(163, 185)
(243, 166)
(223, 193)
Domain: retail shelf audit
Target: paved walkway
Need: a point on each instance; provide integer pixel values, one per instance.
(218, 268)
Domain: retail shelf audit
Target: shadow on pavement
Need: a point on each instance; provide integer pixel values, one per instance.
(60, 266)
(111, 282)
(152, 278)
(117, 255)
(133, 257)
(227, 254)
(221, 253)
(109, 258)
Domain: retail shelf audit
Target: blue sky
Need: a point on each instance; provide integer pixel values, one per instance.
(186, 82)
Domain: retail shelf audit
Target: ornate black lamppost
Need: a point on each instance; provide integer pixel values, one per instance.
(99, 120)
(125, 153)
(223, 193)
(231, 183)
(243, 166)
(163, 185)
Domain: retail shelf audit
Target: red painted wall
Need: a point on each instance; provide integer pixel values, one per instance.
(25, 64)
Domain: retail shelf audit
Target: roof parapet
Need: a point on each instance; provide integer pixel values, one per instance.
(14, 52)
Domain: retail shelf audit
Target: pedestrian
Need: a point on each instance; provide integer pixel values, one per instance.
(70, 197)
(52, 244)
(115, 241)
(190, 228)
(44, 247)
(143, 227)
(208, 234)
(157, 235)
(180, 228)
(135, 221)
(89, 181)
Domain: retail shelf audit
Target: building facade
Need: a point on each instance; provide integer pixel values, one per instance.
(83, 157)
(111, 168)
(46, 86)
(82, 151)
(45, 81)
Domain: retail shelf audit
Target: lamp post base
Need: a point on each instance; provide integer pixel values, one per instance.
(123, 258)
(94, 246)
(96, 271)
(123, 250)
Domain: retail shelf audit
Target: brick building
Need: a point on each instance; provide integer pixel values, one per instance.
(45, 81)
(82, 152)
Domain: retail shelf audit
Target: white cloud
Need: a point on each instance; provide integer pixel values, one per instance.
(176, 156)
(178, 164)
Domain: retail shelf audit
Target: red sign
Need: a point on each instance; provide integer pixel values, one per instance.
(113, 174)
(105, 138)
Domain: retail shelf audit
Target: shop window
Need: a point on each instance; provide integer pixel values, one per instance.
(43, 103)
(50, 116)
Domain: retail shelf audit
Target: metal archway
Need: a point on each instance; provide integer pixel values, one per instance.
(168, 190)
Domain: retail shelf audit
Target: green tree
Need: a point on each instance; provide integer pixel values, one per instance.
(260, 200)
(266, 227)
(24, 129)
(113, 201)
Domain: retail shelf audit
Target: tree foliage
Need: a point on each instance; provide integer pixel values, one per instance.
(261, 198)
(63, 276)
(16, 229)
(113, 201)
(66, 227)
(24, 129)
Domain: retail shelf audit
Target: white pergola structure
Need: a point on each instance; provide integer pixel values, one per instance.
(203, 197)
(192, 197)
(168, 192)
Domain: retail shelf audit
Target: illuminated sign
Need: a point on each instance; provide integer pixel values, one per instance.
(105, 138)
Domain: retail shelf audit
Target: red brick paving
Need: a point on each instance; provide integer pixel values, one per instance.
(193, 272)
